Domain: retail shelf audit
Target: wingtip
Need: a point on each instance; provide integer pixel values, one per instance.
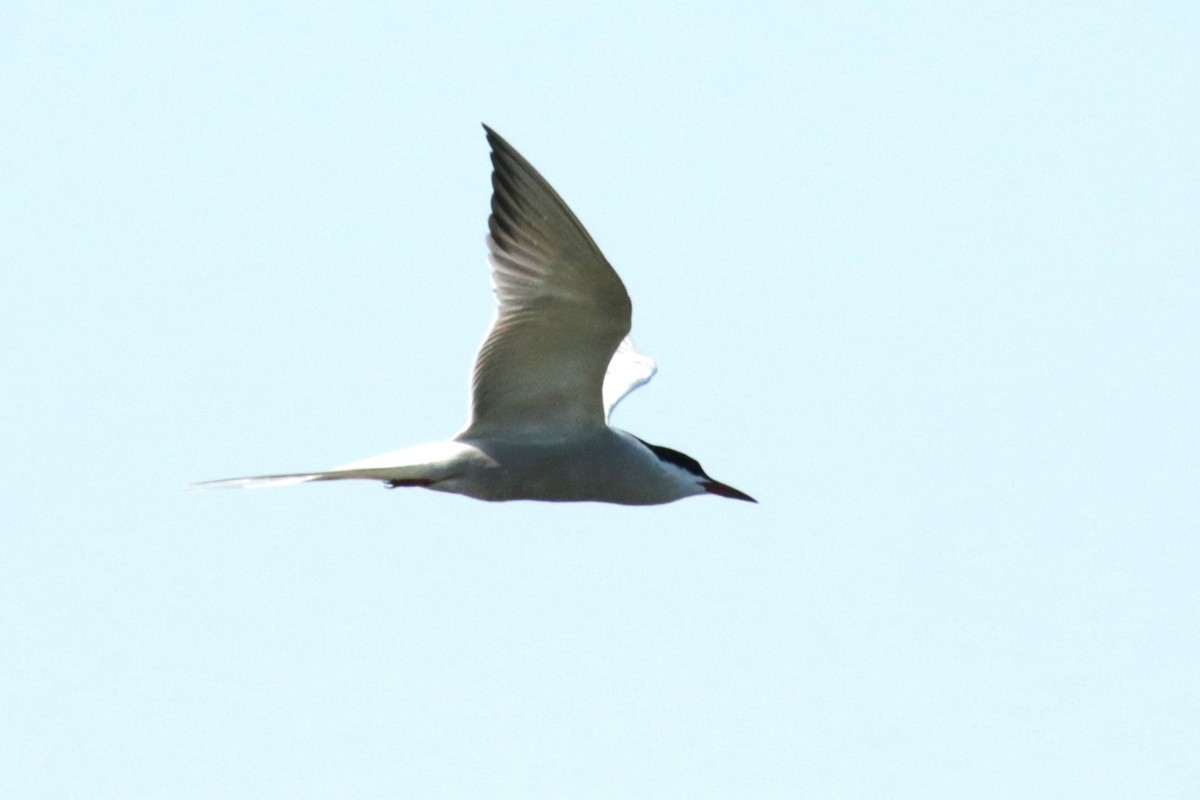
(496, 143)
(501, 148)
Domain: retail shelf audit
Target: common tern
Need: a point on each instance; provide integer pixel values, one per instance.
(555, 362)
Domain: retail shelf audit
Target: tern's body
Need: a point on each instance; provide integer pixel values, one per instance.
(554, 364)
(605, 465)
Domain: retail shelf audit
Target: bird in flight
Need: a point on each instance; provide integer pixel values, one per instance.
(556, 361)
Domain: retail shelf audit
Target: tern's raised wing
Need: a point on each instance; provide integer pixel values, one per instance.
(629, 369)
(561, 309)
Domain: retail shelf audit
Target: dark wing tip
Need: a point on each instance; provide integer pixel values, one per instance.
(497, 142)
(506, 160)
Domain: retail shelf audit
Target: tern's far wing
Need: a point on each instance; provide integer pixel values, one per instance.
(561, 309)
(629, 369)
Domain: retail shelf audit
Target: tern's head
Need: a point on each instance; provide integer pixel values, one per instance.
(689, 471)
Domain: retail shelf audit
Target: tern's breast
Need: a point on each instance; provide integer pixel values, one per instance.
(605, 465)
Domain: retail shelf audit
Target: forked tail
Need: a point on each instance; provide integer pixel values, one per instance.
(393, 476)
(423, 465)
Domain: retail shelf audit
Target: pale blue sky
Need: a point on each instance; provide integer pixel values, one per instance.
(921, 277)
